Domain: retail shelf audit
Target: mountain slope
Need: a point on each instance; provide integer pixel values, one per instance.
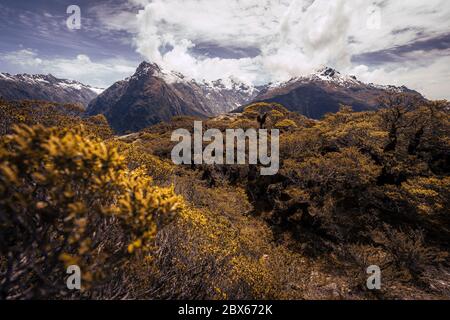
(324, 91)
(45, 87)
(152, 95)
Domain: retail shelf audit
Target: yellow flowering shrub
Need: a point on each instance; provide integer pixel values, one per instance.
(216, 251)
(50, 114)
(263, 107)
(66, 198)
(136, 156)
(429, 196)
(276, 114)
(285, 124)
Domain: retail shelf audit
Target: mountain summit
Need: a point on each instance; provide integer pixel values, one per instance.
(324, 91)
(153, 95)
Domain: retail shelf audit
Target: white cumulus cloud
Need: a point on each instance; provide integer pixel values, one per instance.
(81, 67)
(292, 37)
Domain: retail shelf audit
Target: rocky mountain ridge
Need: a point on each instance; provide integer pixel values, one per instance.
(45, 87)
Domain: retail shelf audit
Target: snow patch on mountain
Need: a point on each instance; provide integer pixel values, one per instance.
(172, 77)
(49, 80)
(333, 77)
(46, 87)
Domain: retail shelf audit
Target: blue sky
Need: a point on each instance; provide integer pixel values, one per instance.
(41, 25)
(382, 41)
(36, 31)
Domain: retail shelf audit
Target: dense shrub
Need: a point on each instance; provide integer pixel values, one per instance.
(68, 199)
(354, 189)
(51, 114)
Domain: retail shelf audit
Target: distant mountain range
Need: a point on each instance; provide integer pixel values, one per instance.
(153, 95)
(45, 87)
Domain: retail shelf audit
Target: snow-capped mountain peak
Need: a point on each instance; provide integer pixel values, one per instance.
(157, 95)
(325, 90)
(147, 69)
(331, 76)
